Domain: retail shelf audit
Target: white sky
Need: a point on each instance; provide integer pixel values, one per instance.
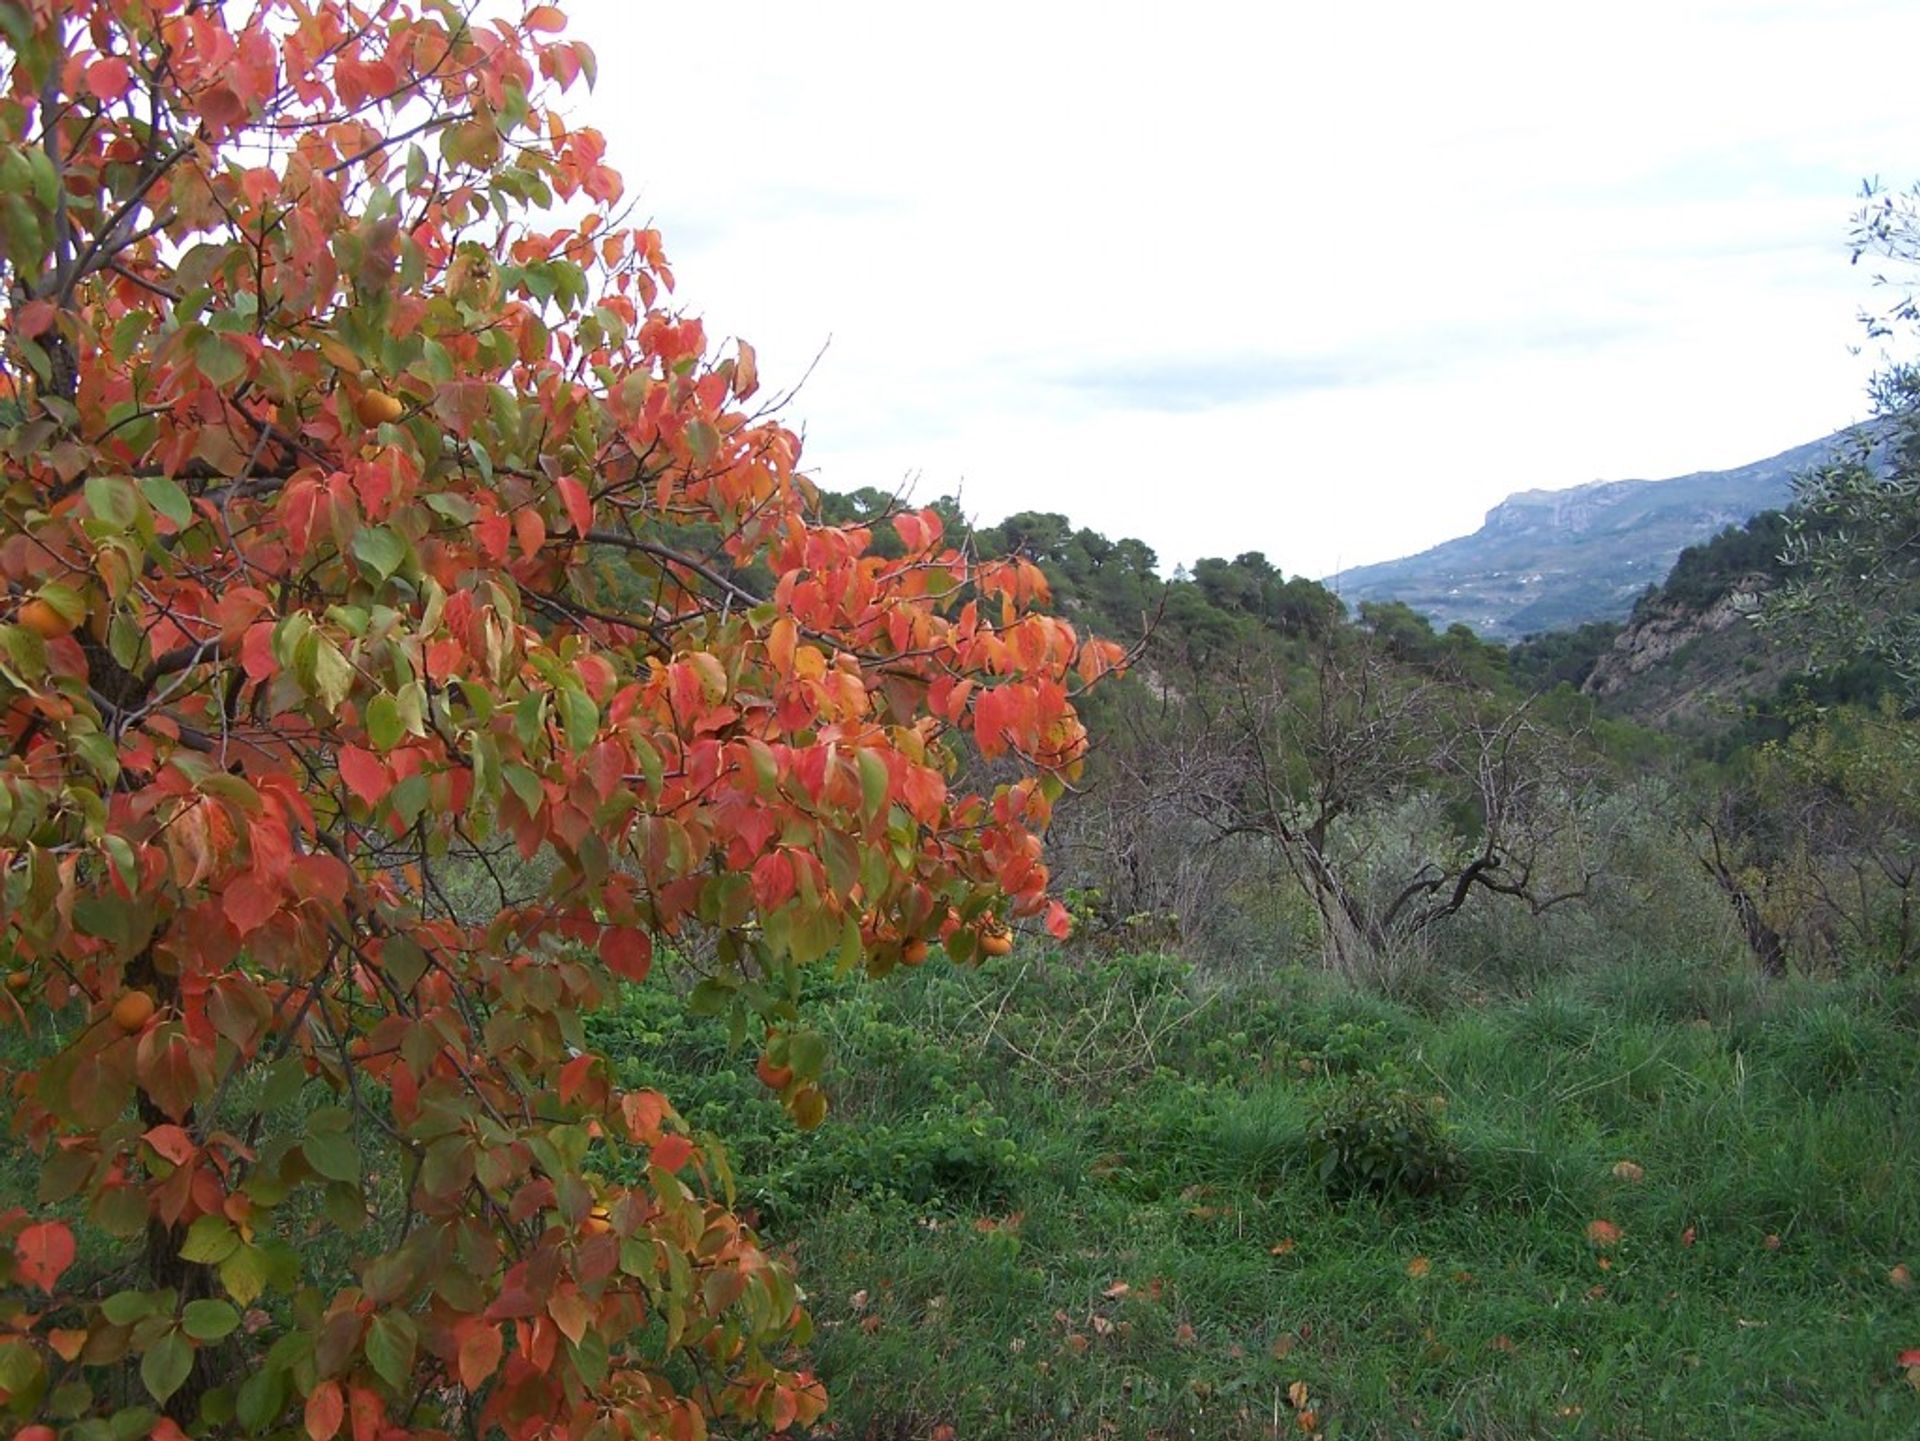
(1324, 279)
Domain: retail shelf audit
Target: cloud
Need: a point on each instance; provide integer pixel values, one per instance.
(1325, 281)
(1207, 383)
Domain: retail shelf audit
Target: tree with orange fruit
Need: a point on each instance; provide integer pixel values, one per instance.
(371, 528)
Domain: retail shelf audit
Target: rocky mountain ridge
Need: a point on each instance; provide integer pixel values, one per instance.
(1553, 559)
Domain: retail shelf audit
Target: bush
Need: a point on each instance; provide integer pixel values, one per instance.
(1367, 1140)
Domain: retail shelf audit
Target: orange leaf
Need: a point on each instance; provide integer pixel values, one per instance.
(326, 1409)
(670, 1153)
(43, 1252)
(1418, 1267)
(480, 1350)
(1603, 1233)
(172, 1143)
(579, 508)
(67, 1344)
(570, 1313)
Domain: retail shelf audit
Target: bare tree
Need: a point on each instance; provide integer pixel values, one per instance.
(1311, 760)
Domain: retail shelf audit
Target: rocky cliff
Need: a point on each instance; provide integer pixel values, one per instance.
(1682, 667)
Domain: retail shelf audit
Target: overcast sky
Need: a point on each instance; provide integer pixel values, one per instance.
(1323, 280)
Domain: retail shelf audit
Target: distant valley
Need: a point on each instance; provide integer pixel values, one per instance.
(1551, 560)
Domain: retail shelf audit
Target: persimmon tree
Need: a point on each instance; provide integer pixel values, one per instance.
(376, 535)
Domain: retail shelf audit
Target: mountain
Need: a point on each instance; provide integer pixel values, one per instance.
(1553, 559)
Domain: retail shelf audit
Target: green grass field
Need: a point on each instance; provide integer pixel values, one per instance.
(1064, 1198)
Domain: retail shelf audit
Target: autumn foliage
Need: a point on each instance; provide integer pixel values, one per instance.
(374, 537)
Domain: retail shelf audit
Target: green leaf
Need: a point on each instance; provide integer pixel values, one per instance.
(168, 499)
(210, 1240)
(332, 676)
(580, 717)
(165, 1366)
(20, 1367)
(807, 1054)
(390, 1346)
(244, 1274)
(263, 1395)
(380, 550)
(403, 960)
(385, 727)
(526, 785)
(123, 1308)
(221, 363)
(874, 783)
(112, 500)
(210, 1320)
(334, 1157)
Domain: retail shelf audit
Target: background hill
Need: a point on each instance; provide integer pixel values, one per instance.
(1552, 560)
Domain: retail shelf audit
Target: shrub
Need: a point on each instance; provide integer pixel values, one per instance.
(1384, 1142)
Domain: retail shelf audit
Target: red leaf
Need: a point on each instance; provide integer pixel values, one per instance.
(369, 1412)
(365, 774)
(574, 1074)
(172, 1143)
(34, 317)
(43, 1252)
(256, 652)
(108, 79)
(249, 902)
(628, 951)
(1059, 923)
(326, 1409)
(480, 1350)
(670, 1153)
(579, 509)
(1910, 1357)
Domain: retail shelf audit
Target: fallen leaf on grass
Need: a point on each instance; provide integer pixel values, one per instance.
(1629, 1171)
(1283, 1346)
(1418, 1267)
(1900, 1276)
(1603, 1233)
(1297, 1395)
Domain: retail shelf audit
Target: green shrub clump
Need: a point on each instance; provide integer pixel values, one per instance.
(1370, 1140)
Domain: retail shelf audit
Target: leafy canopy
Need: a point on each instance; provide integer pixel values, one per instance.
(408, 627)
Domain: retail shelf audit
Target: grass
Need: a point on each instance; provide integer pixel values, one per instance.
(1075, 1199)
